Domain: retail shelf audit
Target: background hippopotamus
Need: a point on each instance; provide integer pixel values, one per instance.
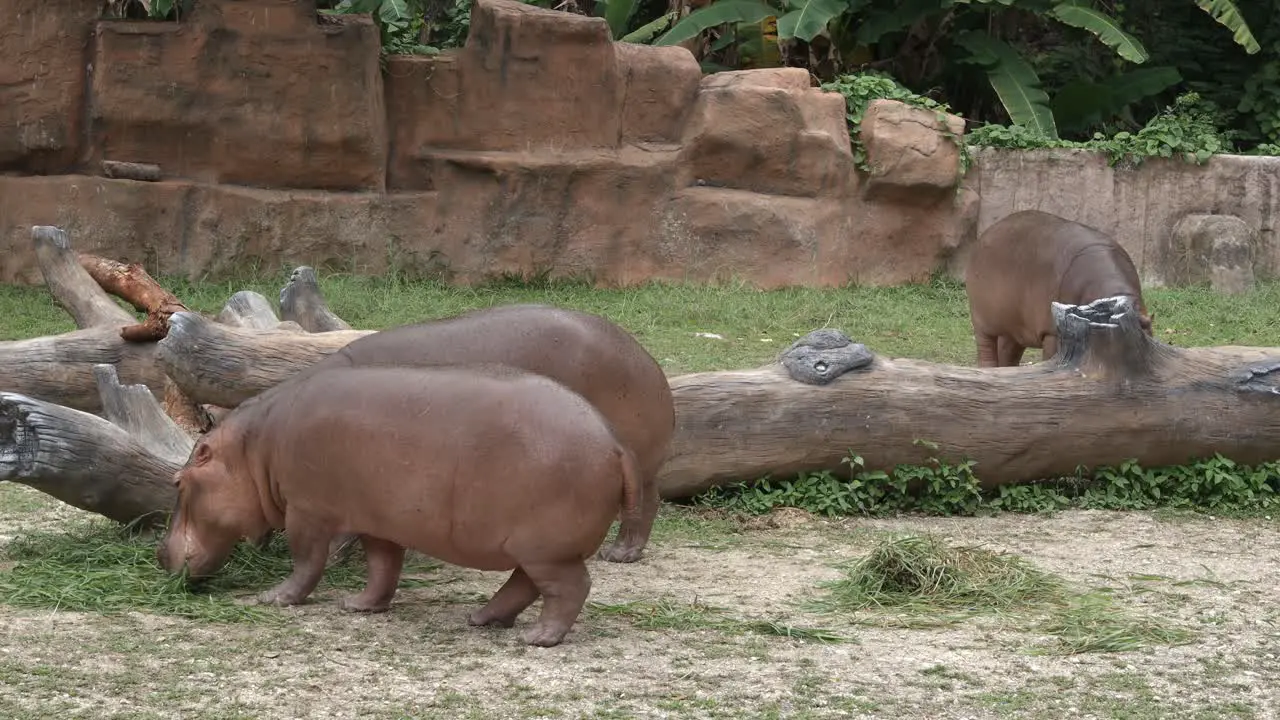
(586, 353)
(485, 466)
(1025, 262)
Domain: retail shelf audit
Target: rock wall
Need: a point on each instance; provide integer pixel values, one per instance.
(541, 146)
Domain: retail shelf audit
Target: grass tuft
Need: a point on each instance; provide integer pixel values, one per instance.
(914, 573)
(921, 582)
(96, 566)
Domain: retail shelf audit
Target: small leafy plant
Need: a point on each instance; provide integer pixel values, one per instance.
(1215, 484)
(859, 89)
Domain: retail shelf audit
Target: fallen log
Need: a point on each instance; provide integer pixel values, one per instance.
(135, 286)
(121, 468)
(223, 365)
(1111, 394)
(59, 368)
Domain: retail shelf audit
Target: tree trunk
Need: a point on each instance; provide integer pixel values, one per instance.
(59, 368)
(222, 365)
(1112, 393)
(120, 468)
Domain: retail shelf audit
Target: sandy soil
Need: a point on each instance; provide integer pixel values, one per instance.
(1216, 577)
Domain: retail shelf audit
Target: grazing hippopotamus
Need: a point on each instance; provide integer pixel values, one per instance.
(1025, 262)
(482, 466)
(586, 353)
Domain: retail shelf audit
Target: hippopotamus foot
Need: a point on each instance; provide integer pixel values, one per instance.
(629, 546)
(564, 588)
(516, 594)
(384, 560)
(309, 547)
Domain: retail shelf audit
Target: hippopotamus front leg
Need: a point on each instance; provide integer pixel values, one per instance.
(384, 560)
(309, 547)
(986, 350)
(1009, 352)
(1049, 347)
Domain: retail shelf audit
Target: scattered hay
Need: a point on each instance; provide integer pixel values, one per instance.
(920, 582)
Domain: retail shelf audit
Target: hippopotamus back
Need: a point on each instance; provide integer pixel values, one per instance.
(1025, 262)
(584, 352)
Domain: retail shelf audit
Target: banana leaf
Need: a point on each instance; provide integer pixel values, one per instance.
(618, 13)
(648, 31)
(1228, 15)
(1105, 27)
(1084, 103)
(808, 18)
(1015, 82)
(717, 13)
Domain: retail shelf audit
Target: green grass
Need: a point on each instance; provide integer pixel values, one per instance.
(929, 322)
(921, 582)
(96, 565)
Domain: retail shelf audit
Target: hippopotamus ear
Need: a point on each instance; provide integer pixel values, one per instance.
(202, 454)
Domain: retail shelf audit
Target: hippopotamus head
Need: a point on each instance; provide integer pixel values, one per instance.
(217, 505)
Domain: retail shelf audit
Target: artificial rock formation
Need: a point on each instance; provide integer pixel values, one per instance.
(539, 146)
(1111, 393)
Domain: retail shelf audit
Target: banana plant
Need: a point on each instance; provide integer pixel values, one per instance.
(1016, 83)
(796, 19)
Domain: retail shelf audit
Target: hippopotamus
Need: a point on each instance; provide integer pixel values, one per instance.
(483, 466)
(1025, 262)
(586, 353)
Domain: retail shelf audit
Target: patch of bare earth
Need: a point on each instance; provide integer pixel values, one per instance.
(1218, 577)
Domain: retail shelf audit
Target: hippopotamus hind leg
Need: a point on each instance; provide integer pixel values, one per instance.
(384, 561)
(629, 545)
(564, 587)
(309, 547)
(516, 594)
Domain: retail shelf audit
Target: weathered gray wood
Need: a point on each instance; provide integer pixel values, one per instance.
(134, 409)
(83, 460)
(1111, 394)
(250, 310)
(59, 368)
(302, 302)
(71, 285)
(220, 365)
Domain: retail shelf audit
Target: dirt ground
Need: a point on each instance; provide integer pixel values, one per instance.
(1218, 577)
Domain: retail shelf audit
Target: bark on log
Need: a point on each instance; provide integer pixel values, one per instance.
(302, 302)
(249, 310)
(124, 473)
(1111, 394)
(71, 285)
(221, 365)
(59, 368)
(134, 285)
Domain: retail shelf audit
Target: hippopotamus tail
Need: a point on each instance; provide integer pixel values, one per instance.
(630, 513)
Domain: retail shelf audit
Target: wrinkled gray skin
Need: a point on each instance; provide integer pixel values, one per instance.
(1025, 262)
(482, 466)
(584, 352)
